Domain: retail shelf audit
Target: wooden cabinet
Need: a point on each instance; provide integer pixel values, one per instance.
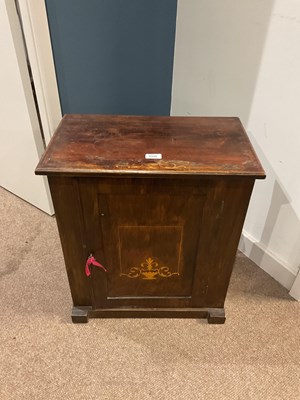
(165, 229)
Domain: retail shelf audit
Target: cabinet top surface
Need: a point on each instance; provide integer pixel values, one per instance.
(102, 144)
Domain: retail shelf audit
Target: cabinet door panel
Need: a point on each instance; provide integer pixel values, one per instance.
(146, 232)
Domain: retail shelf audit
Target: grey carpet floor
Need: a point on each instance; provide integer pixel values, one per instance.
(255, 355)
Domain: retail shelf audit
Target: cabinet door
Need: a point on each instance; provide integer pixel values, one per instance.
(146, 233)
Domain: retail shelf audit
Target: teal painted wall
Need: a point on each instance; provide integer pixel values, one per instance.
(113, 56)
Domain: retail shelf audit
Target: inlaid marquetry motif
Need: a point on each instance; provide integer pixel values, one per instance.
(150, 270)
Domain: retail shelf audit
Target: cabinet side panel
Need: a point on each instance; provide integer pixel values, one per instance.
(223, 220)
(67, 207)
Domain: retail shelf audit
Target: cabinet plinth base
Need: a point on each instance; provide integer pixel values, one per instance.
(213, 315)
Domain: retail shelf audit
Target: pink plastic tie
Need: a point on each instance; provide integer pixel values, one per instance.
(89, 261)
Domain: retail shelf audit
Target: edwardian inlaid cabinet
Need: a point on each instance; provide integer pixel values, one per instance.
(159, 202)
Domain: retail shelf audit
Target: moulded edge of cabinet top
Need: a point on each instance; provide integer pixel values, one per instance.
(86, 144)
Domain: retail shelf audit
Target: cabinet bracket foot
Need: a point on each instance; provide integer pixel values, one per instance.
(80, 315)
(216, 316)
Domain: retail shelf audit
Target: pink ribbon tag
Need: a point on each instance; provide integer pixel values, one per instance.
(89, 261)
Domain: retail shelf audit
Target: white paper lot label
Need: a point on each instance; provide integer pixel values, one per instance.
(153, 156)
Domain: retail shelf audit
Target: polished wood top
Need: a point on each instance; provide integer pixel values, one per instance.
(106, 145)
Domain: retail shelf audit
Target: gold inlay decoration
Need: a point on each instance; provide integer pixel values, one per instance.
(150, 270)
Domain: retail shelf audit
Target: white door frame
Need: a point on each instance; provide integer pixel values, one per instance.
(21, 136)
(38, 43)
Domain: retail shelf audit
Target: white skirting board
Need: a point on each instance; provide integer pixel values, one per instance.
(268, 261)
(295, 291)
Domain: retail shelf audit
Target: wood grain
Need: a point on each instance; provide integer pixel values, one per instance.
(97, 145)
(129, 220)
(66, 202)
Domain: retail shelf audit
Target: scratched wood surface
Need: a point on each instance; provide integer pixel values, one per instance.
(101, 144)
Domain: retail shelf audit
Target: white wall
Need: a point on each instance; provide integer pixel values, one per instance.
(243, 58)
